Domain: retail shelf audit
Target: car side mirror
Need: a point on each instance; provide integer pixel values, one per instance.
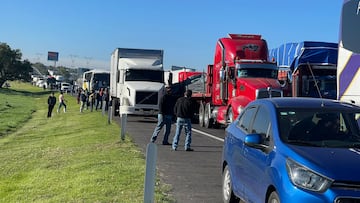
(254, 140)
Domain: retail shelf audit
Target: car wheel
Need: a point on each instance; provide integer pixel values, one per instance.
(207, 116)
(228, 194)
(274, 198)
(201, 114)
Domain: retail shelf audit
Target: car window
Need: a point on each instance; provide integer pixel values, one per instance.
(319, 128)
(246, 118)
(262, 125)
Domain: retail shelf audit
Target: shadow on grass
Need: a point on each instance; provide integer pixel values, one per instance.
(9, 91)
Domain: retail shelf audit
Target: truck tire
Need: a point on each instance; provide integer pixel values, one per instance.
(201, 114)
(207, 116)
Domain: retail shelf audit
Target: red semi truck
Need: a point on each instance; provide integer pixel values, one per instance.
(241, 73)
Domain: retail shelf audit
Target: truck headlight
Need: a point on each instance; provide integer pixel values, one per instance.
(305, 178)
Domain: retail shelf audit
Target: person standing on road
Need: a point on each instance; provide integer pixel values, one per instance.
(51, 103)
(61, 102)
(166, 112)
(184, 111)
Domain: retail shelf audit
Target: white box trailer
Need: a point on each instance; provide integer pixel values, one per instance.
(136, 81)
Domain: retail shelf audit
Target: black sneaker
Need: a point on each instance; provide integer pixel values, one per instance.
(166, 143)
(189, 149)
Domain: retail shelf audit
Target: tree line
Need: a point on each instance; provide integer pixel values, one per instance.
(11, 66)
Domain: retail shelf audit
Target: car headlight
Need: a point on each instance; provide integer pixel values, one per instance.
(305, 178)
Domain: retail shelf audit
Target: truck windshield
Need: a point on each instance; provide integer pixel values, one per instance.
(144, 75)
(326, 85)
(256, 73)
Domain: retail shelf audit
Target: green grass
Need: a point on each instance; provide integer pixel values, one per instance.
(71, 157)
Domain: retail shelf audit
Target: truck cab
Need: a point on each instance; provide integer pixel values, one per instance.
(241, 73)
(136, 81)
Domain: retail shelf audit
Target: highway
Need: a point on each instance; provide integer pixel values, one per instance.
(193, 176)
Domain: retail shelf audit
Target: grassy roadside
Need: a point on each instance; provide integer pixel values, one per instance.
(71, 157)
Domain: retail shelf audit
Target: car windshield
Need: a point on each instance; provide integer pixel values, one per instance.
(308, 127)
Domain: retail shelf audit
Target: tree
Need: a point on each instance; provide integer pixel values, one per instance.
(11, 66)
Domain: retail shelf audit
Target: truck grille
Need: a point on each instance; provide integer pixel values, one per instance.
(146, 98)
(263, 93)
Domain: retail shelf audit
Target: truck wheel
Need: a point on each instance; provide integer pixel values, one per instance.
(207, 116)
(201, 114)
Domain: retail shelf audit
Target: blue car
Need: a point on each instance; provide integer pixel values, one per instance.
(293, 150)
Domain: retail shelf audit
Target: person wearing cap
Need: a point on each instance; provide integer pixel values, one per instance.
(166, 106)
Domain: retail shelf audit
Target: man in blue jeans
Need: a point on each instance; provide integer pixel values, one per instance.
(166, 112)
(184, 111)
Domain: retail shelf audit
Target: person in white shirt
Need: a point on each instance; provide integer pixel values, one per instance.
(61, 102)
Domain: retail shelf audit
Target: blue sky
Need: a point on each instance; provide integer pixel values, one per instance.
(85, 32)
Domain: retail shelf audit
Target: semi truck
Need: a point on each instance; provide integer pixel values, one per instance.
(241, 73)
(348, 70)
(307, 68)
(136, 81)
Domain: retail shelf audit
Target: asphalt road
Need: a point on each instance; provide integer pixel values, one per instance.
(194, 176)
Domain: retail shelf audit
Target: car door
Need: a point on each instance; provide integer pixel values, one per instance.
(234, 146)
(256, 161)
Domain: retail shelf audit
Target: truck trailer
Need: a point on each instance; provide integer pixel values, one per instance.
(348, 70)
(241, 73)
(307, 68)
(136, 81)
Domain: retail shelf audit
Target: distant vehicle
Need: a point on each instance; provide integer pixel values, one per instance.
(293, 150)
(348, 71)
(96, 79)
(65, 87)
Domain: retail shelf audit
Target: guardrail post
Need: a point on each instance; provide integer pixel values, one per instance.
(150, 173)
(123, 126)
(110, 114)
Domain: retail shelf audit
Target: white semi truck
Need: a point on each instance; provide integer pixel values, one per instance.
(136, 81)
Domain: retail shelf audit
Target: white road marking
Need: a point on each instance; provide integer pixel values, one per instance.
(207, 134)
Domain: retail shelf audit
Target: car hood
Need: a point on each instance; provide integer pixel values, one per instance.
(335, 163)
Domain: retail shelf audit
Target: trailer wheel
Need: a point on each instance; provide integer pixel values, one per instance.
(207, 116)
(201, 114)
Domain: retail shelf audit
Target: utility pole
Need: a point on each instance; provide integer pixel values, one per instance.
(39, 56)
(88, 59)
(72, 56)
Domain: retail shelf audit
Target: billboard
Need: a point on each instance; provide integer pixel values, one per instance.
(53, 56)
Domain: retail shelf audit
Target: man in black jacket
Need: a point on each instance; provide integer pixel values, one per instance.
(51, 104)
(184, 111)
(166, 107)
